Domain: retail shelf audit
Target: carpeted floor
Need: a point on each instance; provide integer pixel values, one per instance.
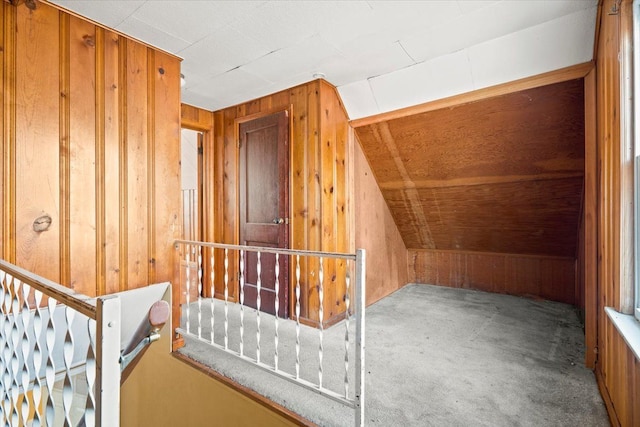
(434, 357)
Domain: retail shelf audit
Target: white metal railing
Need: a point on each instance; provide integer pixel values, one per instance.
(276, 344)
(59, 354)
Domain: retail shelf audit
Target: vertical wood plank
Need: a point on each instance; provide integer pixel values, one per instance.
(4, 152)
(166, 162)
(100, 209)
(113, 131)
(590, 236)
(37, 141)
(137, 200)
(151, 153)
(327, 139)
(65, 150)
(82, 156)
(314, 198)
(8, 160)
(298, 190)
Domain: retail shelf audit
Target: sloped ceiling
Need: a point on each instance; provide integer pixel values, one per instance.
(382, 55)
(504, 174)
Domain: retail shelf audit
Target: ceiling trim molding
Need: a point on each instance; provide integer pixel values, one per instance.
(557, 76)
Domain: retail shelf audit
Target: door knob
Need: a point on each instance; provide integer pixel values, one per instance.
(278, 221)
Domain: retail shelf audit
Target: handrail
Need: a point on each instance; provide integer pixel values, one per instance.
(77, 301)
(266, 249)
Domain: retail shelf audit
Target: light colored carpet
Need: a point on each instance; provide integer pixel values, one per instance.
(435, 356)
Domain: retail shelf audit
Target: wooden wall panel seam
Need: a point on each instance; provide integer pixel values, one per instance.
(151, 172)
(9, 133)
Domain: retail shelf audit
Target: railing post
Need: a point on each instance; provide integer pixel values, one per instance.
(360, 341)
(107, 361)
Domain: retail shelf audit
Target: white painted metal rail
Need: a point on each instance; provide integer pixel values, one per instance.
(198, 272)
(59, 354)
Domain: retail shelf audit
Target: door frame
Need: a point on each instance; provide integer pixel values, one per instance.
(206, 174)
(236, 129)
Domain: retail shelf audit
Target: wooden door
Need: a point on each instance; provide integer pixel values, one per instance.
(264, 207)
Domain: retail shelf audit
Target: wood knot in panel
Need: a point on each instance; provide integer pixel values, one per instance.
(42, 223)
(89, 40)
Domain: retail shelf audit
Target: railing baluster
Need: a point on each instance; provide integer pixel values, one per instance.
(359, 397)
(321, 321)
(15, 363)
(37, 359)
(50, 368)
(212, 287)
(277, 305)
(241, 303)
(3, 340)
(297, 316)
(258, 284)
(67, 388)
(90, 371)
(226, 299)
(188, 279)
(347, 305)
(27, 359)
(199, 266)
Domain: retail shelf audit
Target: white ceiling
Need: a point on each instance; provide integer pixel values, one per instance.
(382, 55)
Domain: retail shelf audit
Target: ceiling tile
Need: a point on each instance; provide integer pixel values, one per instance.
(306, 56)
(441, 77)
(493, 21)
(110, 13)
(550, 46)
(405, 17)
(192, 20)
(341, 70)
(228, 83)
(151, 35)
(467, 6)
(358, 99)
(221, 52)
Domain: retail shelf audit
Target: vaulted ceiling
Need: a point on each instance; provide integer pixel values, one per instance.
(382, 55)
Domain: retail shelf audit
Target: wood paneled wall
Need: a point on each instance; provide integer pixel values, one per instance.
(89, 177)
(377, 233)
(617, 369)
(319, 190)
(550, 278)
(503, 174)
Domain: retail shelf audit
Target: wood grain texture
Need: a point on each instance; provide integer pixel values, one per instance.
(377, 233)
(8, 150)
(37, 110)
(83, 118)
(550, 278)
(617, 369)
(502, 174)
(319, 204)
(82, 156)
(588, 257)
